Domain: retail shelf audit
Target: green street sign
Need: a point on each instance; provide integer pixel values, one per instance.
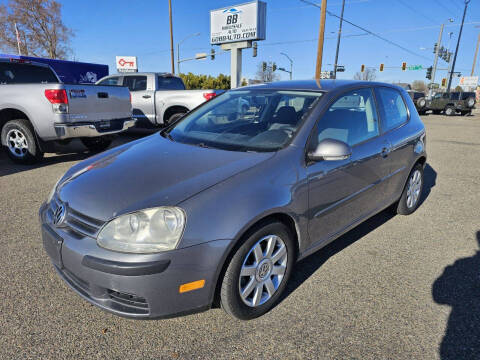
(415, 67)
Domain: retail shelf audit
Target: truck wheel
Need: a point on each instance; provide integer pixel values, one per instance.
(97, 144)
(18, 140)
(470, 102)
(450, 111)
(174, 118)
(421, 103)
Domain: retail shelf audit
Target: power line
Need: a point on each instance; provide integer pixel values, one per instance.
(416, 11)
(372, 33)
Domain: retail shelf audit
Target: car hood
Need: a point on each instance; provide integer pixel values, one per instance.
(151, 172)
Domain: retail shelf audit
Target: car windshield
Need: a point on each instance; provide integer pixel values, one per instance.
(245, 120)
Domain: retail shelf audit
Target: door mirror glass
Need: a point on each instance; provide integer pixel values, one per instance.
(330, 150)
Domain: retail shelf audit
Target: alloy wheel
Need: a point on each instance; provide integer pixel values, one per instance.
(17, 143)
(263, 270)
(414, 189)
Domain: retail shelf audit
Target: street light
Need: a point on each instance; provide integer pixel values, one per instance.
(178, 49)
(291, 63)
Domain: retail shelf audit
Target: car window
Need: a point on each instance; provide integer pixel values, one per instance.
(170, 83)
(112, 81)
(393, 109)
(135, 83)
(15, 73)
(246, 120)
(352, 118)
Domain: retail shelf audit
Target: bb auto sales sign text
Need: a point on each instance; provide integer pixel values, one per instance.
(238, 23)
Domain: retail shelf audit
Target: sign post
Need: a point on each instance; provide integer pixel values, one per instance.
(127, 64)
(234, 28)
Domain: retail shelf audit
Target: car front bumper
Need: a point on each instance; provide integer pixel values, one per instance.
(92, 129)
(135, 285)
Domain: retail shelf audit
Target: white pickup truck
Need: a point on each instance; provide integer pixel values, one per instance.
(158, 98)
(37, 111)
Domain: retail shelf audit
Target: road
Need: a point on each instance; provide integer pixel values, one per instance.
(396, 287)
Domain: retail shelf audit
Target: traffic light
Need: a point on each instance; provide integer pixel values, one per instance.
(362, 69)
(381, 67)
(404, 66)
(429, 73)
(435, 48)
(444, 82)
(274, 67)
(264, 66)
(254, 46)
(212, 54)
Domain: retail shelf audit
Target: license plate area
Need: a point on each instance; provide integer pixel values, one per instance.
(52, 243)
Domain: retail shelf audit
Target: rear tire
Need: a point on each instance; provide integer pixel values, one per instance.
(97, 144)
(450, 111)
(174, 118)
(18, 140)
(261, 274)
(412, 192)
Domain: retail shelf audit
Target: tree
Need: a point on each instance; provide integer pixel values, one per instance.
(268, 75)
(40, 27)
(458, 88)
(193, 81)
(419, 85)
(369, 74)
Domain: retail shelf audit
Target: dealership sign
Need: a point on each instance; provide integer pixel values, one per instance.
(469, 81)
(127, 63)
(244, 22)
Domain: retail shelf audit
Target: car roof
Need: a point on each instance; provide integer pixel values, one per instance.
(313, 85)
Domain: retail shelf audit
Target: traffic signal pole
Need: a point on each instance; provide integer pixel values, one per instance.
(338, 41)
(456, 50)
(434, 70)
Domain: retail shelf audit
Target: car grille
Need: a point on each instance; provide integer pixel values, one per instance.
(111, 299)
(75, 224)
(129, 300)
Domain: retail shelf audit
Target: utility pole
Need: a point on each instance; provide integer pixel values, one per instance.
(456, 50)
(338, 41)
(172, 55)
(434, 70)
(475, 57)
(291, 63)
(323, 12)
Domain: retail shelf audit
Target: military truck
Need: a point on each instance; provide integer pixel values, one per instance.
(452, 103)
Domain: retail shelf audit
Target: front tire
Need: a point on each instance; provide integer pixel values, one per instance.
(19, 142)
(97, 144)
(412, 193)
(258, 271)
(174, 118)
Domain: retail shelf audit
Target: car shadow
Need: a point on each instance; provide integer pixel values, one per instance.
(308, 266)
(73, 151)
(459, 287)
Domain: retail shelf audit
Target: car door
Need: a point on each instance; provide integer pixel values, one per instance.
(393, 115)
(342, 192)
(143, 98)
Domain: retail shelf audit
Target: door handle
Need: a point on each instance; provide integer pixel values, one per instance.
(385, 152)
(146, 96)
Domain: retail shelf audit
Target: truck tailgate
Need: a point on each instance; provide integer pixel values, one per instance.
(95, 103)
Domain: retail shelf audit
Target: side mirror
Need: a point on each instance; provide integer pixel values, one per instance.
(330, 150)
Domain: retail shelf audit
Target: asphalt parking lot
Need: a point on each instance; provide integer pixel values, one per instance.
(396, 287)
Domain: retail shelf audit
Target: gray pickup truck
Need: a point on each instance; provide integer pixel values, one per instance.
(158, 98)
(37, 111)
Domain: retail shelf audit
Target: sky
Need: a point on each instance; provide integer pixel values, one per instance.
(106, 28)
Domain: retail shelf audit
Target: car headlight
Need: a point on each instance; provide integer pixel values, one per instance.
(146, 231)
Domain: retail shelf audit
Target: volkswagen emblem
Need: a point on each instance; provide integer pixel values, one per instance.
(59, 215)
